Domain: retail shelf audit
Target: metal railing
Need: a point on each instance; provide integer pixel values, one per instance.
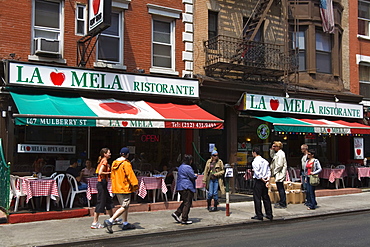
(270, 58)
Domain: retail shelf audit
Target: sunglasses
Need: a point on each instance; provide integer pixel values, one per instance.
(214, 155)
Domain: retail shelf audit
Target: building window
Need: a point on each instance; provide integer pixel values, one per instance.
(47, 23)
(323, 52)
(299, 47)
(81, 19)
(110, 47)
(212, 24)
(163, 43)
(363, 17)
(364, 71)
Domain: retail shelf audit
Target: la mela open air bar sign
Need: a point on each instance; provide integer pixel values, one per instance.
(75, 78)
(268, 103)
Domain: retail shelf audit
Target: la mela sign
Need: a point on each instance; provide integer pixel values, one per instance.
(75, 78)
(268, 103)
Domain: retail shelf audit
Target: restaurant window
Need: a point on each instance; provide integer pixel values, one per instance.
(47, 28)
(363, 17)
(163, 43)
(299, 48)
(323, 52)
(81, 19)
(364, 73)
(110, 41)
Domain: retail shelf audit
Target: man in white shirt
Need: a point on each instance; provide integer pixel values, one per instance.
(261, 177)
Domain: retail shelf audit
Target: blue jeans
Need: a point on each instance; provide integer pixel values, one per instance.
(213, 189)
(82, 186)
(310, 195)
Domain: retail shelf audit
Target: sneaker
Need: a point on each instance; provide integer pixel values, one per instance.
(176, 217)
(117, 221)
(128, 226)
(96, 226)
(186, 222)
(279, 206)
(108, 225)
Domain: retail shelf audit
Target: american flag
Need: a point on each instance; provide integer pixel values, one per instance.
(327, 15)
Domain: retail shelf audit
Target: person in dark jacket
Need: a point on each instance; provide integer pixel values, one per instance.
(186, 187)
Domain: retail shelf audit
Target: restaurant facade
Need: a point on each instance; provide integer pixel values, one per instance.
(61, 113)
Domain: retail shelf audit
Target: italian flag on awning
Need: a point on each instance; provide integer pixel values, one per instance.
(320, 126)
(49, 110)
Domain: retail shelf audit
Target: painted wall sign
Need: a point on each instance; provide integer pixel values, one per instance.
(75, 78)
(269, 103)
(358, 144)
(48, 149)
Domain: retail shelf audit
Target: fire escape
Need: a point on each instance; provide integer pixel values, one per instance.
(249, 57)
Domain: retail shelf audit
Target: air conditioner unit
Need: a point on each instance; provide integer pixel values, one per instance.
(46, 46)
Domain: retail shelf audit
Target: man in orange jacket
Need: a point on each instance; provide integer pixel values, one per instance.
(124, 182)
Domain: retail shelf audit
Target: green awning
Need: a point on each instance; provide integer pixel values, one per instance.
(323, 126)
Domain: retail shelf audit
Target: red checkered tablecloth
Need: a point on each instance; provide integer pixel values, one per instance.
(332, 174)
(91, 186)
(199, 182)
(363, 172)
(39, 187)
(151, 183)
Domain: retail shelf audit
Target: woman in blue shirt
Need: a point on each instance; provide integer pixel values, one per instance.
(186, 187)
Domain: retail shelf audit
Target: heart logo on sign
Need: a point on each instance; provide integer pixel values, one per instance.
(358, 151)
(57, 78)
(124, 123)
(96, 5)
(328, 130)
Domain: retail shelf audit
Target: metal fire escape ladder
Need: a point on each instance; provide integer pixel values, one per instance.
(256, 19)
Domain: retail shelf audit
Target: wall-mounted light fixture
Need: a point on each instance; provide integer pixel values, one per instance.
(3, 113)
(286, 95)
(336, 99)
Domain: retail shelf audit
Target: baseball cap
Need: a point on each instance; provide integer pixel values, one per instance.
(124, 150)
(214, 152)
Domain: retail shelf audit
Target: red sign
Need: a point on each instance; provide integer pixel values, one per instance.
(150, 138)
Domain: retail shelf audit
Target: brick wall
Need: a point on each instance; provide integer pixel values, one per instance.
(16, 33)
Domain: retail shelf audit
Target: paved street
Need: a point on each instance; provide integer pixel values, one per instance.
(156, 223)
(351, 229)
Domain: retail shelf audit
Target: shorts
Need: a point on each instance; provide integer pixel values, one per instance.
(104, 201)
(124, 200)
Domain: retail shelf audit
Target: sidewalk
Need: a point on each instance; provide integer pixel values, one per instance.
(78, 229)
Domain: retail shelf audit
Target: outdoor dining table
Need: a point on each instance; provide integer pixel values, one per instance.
(151, 183)
(91, 186)
(39, 187)
(363, 172)
(333, 174)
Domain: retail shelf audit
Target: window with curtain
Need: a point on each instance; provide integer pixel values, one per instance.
(323, 52)
(163, 43)
(299, 46)
(81, 19)
(364, 74)
(363, 17)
